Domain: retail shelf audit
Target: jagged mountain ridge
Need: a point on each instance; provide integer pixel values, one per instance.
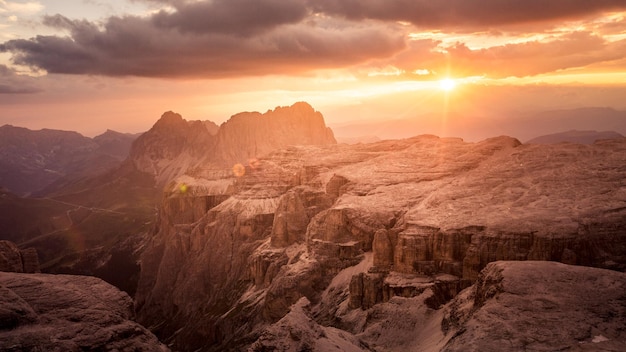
(173, 146)
(351, 227)
(32, 160)
(336, 235)
(95, 225)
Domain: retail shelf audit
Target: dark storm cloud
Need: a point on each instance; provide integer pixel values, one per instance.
(232, 16)
(140, 47)
(227, 38)
(464, 13)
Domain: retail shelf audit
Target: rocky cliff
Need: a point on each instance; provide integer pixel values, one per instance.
(354, 230)
(173, 146)
(539, 306)
(12, 259)
(40, 312)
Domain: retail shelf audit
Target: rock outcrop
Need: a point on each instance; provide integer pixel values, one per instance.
(539, 306)
(40, 312)
(12, 259)
(247, 136)
(173, 146)
(358, 229)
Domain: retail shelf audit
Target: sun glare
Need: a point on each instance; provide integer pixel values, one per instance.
(447, 84)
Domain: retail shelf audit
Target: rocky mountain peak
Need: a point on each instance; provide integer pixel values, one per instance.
(173, 145)
(252, 134)
(170, 120)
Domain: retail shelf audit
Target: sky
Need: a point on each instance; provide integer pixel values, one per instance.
(92, 65)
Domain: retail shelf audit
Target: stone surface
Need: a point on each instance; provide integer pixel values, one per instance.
(12, 259)
(427, 214)
(541, 306)
(174, 147)
(40, 312)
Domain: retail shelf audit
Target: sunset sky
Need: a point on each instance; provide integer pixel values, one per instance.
(89, 65)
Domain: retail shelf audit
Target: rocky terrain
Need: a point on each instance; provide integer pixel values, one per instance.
(539, 306)
(270, 236)
(41, 312)
(339, 238)
(12, 259)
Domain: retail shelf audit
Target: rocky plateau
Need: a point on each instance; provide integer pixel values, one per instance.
(270, 236)
(341, 245)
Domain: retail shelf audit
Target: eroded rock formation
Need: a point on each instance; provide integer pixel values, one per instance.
(357, 229)
(174, 146)
(539, 306)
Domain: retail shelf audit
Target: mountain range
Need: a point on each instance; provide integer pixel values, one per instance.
(521, 125)
(265, 234)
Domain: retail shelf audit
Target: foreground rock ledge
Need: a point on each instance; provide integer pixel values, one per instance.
(514, 306)
(40, 312)
(540, 306)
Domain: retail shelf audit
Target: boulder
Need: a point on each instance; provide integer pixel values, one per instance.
(41, 312)
(540, 306)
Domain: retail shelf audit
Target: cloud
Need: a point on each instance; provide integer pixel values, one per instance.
(572, 50)
(142, 47)
(20, 7)
(231, 38)
(463, 13)
(12, 83)
(231, 16)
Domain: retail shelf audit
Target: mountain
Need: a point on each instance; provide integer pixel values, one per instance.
(115, 144)
(264, 234)
(574, 136)
(97, 224)
(353, 247)
(33, 160)
(174, 146)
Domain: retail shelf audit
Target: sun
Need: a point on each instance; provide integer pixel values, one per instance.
(447, 84)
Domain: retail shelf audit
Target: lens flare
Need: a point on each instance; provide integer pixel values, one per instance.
(239, 170)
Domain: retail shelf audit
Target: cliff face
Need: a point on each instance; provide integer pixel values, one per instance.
(353, 229)
(12, 259)
(251, 135)
(173, 146)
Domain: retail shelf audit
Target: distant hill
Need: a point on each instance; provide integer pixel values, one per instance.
(33, 160)
(575, 136)
(522, 126)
